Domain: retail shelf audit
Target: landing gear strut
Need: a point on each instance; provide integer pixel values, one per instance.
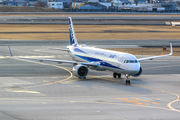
(127, 79)
(116, 74)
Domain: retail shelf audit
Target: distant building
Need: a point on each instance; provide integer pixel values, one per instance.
(32, 2)
(77, 4)
(90, 7)
(59, 0)
(169, 1)
(169, 6)
(94, 1)
(14, 3)
(143, 7)
(8, 3)
(80, 1)
(21, 3)
(147, 5)
(126, 2)
(66, 3)
(64, 0)
(56, 5)
(98, 5)
(105, 0)
(116, 4)
(108, 5)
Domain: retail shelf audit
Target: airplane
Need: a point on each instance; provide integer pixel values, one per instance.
(86, 58)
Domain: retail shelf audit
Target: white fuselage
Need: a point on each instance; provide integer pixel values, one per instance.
(118, 62)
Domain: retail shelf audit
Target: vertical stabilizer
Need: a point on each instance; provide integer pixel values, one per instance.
(72, 35)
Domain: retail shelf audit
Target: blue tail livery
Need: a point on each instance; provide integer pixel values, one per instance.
(72, 35)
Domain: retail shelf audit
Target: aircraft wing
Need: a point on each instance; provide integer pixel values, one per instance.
(54, 60)
(61, 49)
(153, 57)
(59, 61)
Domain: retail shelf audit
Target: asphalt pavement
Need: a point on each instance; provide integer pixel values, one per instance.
(33, 90)
(90, 20)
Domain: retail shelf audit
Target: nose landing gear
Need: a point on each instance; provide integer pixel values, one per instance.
(127, 79)
(119, 76)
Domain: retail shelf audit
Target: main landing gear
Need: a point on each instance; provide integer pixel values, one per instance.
(127, 79)
(116, 75)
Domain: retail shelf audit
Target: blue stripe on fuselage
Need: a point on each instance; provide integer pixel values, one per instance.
(90, 59)
(109, 65)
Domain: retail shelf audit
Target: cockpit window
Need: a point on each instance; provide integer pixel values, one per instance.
(130, 61)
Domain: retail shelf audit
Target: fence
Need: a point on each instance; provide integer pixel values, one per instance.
(102, 11)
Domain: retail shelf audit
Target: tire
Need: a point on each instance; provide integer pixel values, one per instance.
(114, 75)
(119, 75)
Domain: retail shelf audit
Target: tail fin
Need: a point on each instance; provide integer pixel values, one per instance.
(72, 35)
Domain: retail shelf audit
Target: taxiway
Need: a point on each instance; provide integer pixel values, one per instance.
(91, 20)
(33, 90)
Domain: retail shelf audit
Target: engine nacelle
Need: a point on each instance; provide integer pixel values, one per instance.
(139, 73)
(80, 71)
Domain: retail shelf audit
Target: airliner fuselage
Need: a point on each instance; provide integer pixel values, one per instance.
(118, 62)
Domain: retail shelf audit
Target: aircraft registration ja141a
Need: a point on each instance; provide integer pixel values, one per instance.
(86, 58)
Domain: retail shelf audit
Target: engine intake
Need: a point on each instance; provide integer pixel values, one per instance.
(139, 73)
(80, 71)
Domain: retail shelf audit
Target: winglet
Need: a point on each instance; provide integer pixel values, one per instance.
(10, 50)
(171, 53)
(153, 57)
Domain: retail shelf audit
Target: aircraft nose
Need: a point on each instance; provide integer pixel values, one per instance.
(135, 68)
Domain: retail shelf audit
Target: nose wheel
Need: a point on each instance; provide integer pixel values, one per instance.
(128, 82)
(115, 75)
(127, 79)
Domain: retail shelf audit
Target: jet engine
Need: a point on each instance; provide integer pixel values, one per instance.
(80, 71)
(139, 73)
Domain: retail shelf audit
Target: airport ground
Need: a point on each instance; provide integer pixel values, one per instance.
(90, 19)
(33, 90)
